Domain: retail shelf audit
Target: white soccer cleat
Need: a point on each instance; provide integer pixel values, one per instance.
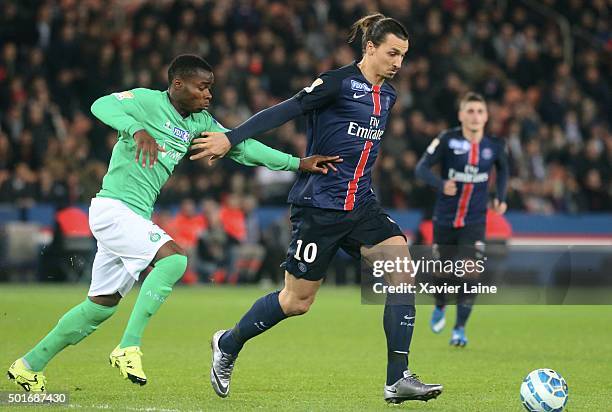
(222, 367)
(410, 388)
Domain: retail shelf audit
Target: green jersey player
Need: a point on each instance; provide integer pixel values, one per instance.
(155, 130)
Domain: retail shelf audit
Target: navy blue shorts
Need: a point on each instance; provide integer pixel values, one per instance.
(316, 235)
(459, 243)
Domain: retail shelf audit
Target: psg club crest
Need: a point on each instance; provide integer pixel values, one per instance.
(487, 153)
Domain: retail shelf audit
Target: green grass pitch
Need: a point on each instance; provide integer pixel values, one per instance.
(333, 358)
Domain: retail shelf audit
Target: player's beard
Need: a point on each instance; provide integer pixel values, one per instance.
(391, 74)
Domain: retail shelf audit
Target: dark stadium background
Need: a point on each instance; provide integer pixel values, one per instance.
(542, 65)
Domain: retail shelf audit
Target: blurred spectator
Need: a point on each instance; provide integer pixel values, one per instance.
(185, 228)
(248, 256)
(275, 239)
(232, 217)
(20, 188)
(213, 252)
(51, 191)
(71, 252)
(187, 224)
(56, 57)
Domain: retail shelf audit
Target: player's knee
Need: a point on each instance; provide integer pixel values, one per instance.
(297, 306)
(179, 250)
(106, 300)
(169, 249)
(394, 241)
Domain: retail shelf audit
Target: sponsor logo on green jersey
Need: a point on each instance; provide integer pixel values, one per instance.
(176, 131)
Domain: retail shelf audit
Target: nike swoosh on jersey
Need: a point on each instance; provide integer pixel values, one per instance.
(358, 96)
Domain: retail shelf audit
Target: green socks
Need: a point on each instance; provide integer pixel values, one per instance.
(154, 291)
(82, 320)
(74, 326)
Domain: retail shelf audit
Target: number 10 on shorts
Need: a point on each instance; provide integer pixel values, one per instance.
(310, 251)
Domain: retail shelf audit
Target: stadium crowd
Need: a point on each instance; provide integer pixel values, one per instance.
(552, 106)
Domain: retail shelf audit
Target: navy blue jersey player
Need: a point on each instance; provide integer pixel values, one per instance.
(466, 156)
(347, 110)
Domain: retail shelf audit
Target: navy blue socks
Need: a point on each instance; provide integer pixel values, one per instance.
(398, 321)
(265, 313)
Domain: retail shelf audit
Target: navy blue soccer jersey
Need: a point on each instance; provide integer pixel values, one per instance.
(347, 117)
(469, 164)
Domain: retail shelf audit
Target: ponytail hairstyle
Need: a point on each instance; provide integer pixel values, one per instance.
(374, 28)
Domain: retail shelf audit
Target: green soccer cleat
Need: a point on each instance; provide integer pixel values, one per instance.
(129, 363)
(29, 380)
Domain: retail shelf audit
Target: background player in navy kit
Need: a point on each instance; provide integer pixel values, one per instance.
(347, 112)
(466, 156)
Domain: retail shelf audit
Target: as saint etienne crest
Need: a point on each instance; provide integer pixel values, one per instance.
(154, 237)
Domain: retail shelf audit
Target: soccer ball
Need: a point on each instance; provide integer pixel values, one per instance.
(544, 390)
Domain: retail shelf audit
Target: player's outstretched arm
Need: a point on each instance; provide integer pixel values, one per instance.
(254, 153)
(322, 92)
(217, 144)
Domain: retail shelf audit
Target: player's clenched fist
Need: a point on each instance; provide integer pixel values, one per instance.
(450, 188)
(148, 147)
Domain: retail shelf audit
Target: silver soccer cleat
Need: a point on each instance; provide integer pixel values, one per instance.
(222, 367)
(410, 388)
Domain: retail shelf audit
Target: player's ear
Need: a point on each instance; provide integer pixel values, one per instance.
(177, 83)
(370, 48)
